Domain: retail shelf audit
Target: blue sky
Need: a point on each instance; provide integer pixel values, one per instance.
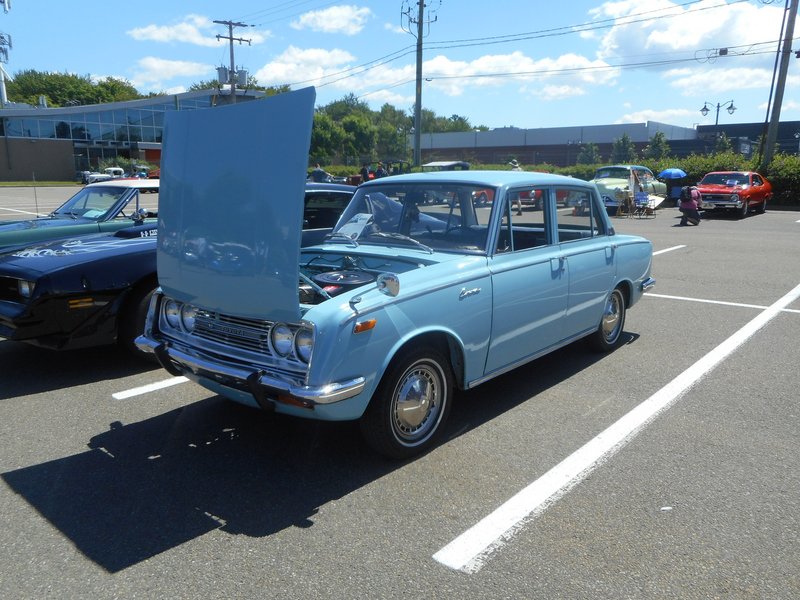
(522, 63)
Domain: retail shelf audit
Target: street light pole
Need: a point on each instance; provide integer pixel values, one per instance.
(705, 110)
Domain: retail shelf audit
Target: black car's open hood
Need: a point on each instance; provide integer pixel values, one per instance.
(231, 205)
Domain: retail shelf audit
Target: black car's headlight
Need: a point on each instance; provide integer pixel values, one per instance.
(25, 288)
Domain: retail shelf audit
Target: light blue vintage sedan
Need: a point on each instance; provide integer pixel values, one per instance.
(405, 302)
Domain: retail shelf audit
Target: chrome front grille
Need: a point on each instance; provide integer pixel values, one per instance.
(251, 335)
(716, 197)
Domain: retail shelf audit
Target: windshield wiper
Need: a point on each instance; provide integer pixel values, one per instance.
(400, 236)
(341, 237)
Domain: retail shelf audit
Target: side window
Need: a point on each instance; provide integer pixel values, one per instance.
(523, 224)
(756, 180)
(322, 210)
(579, 220)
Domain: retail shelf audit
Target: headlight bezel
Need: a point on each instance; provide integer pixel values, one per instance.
(172, 313)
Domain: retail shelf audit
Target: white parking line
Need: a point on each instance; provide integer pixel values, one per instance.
(669, 249)
(24, 212)
(145, 389)
(469, 551)
(704, 301)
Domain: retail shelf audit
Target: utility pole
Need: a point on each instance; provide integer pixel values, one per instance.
(775, 117)
(420, 23)
(232, 73)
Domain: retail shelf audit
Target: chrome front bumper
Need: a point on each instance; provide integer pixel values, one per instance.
(263, 387)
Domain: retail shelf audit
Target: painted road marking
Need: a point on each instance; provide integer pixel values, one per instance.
(469, 551)
(25, 212)
(669, 249)
(723, 303)
(146, 389)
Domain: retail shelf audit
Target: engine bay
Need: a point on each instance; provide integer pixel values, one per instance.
(326, 275)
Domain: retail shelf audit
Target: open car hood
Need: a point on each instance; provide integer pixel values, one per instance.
(231, 205)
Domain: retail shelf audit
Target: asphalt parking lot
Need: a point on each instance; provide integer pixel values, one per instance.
(668, 468)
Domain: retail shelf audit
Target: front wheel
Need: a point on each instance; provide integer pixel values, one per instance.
(743, 211)
(411, 404)
(131, 322)
(609, 332)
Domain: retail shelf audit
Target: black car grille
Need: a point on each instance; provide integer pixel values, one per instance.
(717, 197)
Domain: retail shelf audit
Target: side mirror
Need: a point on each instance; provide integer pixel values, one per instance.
(139, 215)
(389, 284)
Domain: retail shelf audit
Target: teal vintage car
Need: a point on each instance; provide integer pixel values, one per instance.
(404, 302)
(98, 207)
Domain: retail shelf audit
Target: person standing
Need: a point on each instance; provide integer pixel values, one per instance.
(690, 205)
(319, 175)
(515, 167)
(380, 171)
(365, 173)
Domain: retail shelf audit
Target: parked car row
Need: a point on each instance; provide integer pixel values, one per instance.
(85, 290)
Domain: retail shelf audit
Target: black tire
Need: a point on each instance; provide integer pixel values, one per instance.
(131, 321)
(411, 404)
(762, 208)
(609, 332)
(742, 212)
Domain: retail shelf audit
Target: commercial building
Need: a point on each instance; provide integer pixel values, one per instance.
(43, 143)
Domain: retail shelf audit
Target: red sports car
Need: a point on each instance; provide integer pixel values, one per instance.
(736, 190)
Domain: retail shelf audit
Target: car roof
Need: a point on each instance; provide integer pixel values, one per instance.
(480, 178)
(128, 183)
(335, 187)
(624, 167)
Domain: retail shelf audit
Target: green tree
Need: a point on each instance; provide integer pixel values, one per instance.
(361, 135)
(327, 138)
(111, 89)
(589, 154)
(658, 148)
(623, 150)
(723, 144)
(60, 89)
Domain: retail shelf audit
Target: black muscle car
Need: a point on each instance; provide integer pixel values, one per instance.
(93, 290)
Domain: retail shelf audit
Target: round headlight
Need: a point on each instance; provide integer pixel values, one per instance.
(735, 197)
(281, 337)
(303, 344)
(25, 288)
(172, 312)
(188, 314)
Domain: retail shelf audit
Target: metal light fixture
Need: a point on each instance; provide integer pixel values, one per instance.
(729, 104)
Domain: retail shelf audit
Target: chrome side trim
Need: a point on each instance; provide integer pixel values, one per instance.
(179, 362)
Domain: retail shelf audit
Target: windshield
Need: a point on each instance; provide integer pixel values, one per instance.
(727, 179)
(424, 217)
(612, 173)
(95, 203)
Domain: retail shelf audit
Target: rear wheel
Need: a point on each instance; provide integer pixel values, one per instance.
(609, 332)
(762, 208)
(411, 404)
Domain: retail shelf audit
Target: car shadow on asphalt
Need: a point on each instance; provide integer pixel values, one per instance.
(146, 487)
(38, 370)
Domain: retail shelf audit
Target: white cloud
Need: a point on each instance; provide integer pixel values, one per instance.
(661, 26)
(394, 28)
(559, 92)
(193, 29)
(345, 19)
(151, 72)
(306, 65)
(695, 82)
(670, 115)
